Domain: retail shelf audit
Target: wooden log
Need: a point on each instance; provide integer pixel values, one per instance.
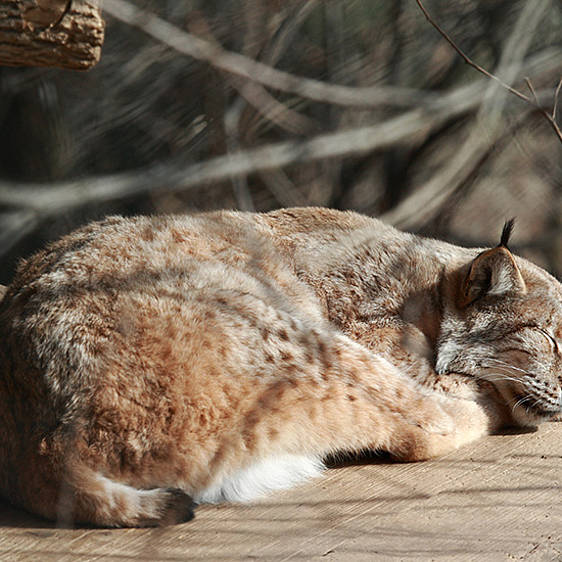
(61, 33)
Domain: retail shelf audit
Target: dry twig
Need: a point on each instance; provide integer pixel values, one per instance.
(556, 98)
(429, 199)
(550, 118)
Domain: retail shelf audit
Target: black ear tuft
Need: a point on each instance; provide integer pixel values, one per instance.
(506, 233)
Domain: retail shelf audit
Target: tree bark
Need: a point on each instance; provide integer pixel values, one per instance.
(62, 33)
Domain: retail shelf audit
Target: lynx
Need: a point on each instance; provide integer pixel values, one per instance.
(152, 364)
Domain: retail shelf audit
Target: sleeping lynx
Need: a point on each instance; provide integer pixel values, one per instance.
(146, 362)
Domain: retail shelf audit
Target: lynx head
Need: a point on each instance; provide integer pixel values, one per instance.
(503, 323)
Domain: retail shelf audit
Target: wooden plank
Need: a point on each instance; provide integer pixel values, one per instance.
(496, 500)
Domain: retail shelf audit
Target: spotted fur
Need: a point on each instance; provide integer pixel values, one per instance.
(148, 361)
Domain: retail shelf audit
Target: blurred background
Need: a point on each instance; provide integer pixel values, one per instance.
(370, 110)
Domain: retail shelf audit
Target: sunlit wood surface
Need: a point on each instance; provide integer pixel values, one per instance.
(499, 499)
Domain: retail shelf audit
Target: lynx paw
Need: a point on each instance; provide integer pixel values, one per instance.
(430, 415)
(462, 422)
(94, 499)
(165, 506)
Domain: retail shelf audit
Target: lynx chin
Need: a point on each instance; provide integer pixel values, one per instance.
(150, 364)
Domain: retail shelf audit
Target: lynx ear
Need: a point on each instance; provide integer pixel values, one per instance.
(495, 273)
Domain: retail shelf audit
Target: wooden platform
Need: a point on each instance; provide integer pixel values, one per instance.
(499, 499)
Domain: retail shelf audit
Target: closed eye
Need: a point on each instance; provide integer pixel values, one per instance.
(553, 341)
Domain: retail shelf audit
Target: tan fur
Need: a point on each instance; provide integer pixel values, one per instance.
(145, 360)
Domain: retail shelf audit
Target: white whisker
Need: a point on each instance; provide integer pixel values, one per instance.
(500, 377)
(500, 363)
(494, 375)
(521, 401)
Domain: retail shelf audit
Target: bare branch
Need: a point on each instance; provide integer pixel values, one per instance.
(282, 188)
(66, 196)
(531, 89)
(231, 128)
(273, 110)
(170, 177)
(288, 31)
(430, 198)
(466, 58)
(482, 70)
(283, 36)
(15, 227)
(239, 65)
(445, 191)
(259, 98)
(556, 98)
(255, 71)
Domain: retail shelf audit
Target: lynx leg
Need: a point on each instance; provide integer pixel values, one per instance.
(90, 497)
(345, 400)
(84, 496)
(470, 422)
(475, 410)
(412, 422)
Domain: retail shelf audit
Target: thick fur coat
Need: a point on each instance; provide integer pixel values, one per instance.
(147, 363)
